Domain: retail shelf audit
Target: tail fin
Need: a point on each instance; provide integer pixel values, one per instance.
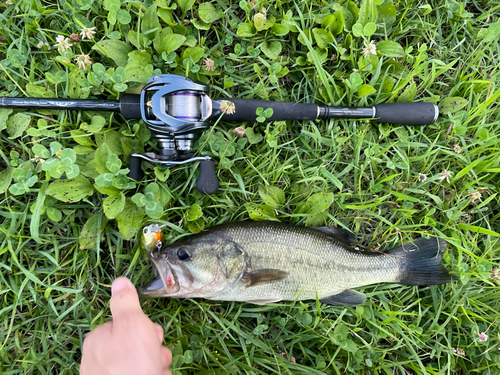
(420, 262)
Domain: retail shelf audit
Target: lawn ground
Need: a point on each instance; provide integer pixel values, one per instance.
(60, 249)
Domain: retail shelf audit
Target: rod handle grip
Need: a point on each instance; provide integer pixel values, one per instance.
(416, 113)
(245, 110)
(207, 181)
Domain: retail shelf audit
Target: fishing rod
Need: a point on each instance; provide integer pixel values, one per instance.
(178, 109)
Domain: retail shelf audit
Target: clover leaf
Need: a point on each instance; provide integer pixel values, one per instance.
(150, 200)
(116, 176)
(58, 161)
(24, 180)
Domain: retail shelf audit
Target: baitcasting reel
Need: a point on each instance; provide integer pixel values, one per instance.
(178, 109)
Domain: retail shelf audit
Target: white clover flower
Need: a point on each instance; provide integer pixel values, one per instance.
(83, 61)
(445, 175)
(495, 275)
(239, 132)
(369, 49)
(459, 351)
(483, 337)
(40, 44)
(88, 32)
(227, 107)
(475, 196)
(209, 64)
(62, 43)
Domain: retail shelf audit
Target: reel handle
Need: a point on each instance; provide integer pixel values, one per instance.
(207, 182)
(136, 172)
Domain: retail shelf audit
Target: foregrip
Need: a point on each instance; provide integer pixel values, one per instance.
(130, 106)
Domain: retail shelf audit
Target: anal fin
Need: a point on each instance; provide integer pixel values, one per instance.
(264, 276)
(263, 301)
(348, 297)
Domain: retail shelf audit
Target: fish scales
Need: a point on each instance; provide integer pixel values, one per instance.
(317, 265)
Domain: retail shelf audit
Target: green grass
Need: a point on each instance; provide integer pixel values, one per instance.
(54, 290)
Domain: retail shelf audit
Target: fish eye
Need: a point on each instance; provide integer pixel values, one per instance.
(182, 254)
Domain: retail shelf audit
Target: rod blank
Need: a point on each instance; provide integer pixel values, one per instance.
(60, 104)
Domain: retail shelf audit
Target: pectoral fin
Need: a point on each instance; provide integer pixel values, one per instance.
(348, 297)
(264, 276)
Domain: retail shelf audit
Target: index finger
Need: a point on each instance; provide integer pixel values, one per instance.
(124, 299)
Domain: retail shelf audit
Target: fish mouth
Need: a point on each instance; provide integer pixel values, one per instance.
(174, 280)
(165, 285)
(152, 289)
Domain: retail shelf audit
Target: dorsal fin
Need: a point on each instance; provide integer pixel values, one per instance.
(264, 276)
(340, 234)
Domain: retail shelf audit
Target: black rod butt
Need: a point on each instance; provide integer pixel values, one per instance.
(417, 113)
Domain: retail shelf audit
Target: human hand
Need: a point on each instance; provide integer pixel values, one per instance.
(129, 345)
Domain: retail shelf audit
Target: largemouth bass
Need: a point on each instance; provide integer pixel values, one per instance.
(262, 262)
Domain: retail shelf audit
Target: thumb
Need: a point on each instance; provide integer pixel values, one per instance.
(124, 299)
